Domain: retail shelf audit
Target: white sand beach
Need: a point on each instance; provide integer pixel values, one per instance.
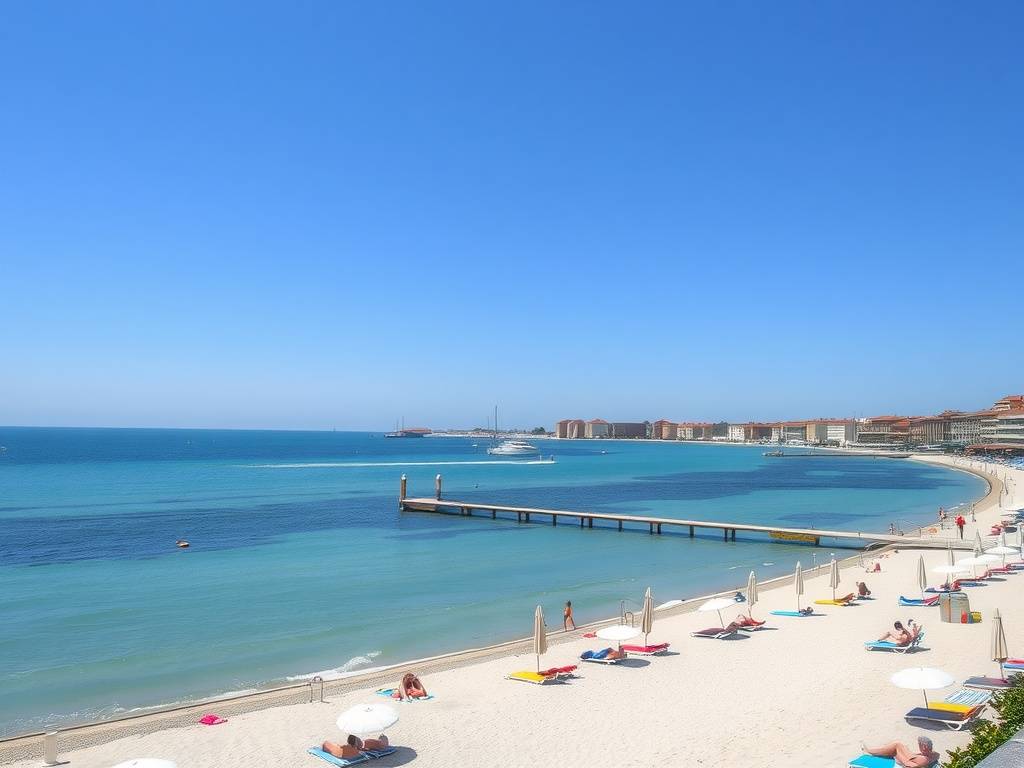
(804, 692)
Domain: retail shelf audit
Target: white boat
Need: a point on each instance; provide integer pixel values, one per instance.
(513, 448)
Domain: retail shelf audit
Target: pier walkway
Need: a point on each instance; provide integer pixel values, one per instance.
(654, 525)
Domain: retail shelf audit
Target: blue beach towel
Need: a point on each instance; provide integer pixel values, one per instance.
(916, 601)
(793, 613)
(369, 754)
(870, 761)
(389, 692)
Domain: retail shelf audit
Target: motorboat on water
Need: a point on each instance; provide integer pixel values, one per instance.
(513, 448)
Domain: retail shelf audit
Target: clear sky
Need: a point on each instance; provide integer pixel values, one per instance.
(335, 214)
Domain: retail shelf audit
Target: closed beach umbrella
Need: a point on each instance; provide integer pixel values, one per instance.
(833, 576)
(367, 719)
(923, 679)
(949, 554)
(922, 577)
(1020, 536)
(647, 616)
(540, 635)
(999, 651)
(717, 604)
(147, 762)
(798, 583)
(977, 543)
(751, 593)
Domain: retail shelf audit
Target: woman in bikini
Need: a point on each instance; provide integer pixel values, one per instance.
(924, 757)
(410, 688)
(354, 746)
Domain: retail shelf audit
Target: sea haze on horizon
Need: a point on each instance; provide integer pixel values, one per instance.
(300, 561)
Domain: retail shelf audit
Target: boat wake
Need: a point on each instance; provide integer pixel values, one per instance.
(351, 464)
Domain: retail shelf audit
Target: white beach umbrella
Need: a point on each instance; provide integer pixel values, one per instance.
(922, 576)
(751, 593)
(647, 615)
(950, 569)
(833, 576)
(922, 679)
(798, 583)
(999, 650)
(977, 560)
(618, 633)
(717, 604)
(540, 635)
(367, 719)
(147, 762)
(1002, 549)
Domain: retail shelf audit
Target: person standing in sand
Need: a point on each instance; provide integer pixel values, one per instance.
(960, 523)
(567, 616)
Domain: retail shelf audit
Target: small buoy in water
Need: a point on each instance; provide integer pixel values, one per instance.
(181, 544)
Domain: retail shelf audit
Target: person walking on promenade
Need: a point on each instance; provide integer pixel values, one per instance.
(567, 616)
(960, 523)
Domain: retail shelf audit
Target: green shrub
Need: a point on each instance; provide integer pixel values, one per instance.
(989, 736)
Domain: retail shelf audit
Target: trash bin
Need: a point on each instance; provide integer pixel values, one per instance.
(953, 605)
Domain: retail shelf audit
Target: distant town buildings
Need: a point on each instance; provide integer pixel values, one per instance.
(999, 428)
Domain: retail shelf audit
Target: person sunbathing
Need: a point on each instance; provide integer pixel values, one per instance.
(898, 635)
(806, 611)
(381, 742)
(924, 757)
(847, 598)
(747, 621)
(410, 688)
(862, 590)
(346, 751)
(615, 653)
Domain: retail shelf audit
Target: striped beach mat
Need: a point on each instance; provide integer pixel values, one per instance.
(968, 698)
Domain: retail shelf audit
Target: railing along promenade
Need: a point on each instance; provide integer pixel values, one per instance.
(654, 525)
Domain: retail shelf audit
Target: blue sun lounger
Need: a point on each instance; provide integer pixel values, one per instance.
(870, 761)
(794, 613)
(364, 756)
(886, 645)
(927, 602)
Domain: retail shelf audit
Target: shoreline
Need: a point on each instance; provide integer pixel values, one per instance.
(161, 717)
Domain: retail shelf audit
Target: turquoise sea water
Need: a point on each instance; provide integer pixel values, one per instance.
(301, 563)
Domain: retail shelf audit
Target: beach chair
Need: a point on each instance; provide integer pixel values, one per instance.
(917, 602)
(953, 720)
(844, 601)
(886, 645)
(795, 614)
(559, 672)
(646, 650)
(971, 698)
(599, 657)
(870, 761)
(714, 633)
(364, 756)
(526, 676)
(1015, 664)
(988, 683)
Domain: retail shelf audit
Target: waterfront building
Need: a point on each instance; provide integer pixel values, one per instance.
(930, 430)
(754, 431)
(576, 429)
(883, 429)
(629, 429)
(663, 429)
(1010, 427)
(965, 428)
(694, 430)
(793, 431)
(830, 431)
(736, 432)
(562, 428)
(597, 428)
(1010, 403)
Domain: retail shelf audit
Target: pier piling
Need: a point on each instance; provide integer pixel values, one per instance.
(437, 487)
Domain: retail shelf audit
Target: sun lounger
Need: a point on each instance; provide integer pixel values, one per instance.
(599, 657)
(364, 756)
(714, 633)
(526, 676)
(969, 697)
(886, 645)
(793, 613)
(988, 683)
(389, 692)
(1002, 569)
(646, 650)
(844, 600)
(567, 671)
(918, 602)
(870, 761)
(952, 720)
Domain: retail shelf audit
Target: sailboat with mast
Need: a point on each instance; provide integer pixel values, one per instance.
(510, 447)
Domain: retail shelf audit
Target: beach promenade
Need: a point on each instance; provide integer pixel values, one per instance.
(802, 693)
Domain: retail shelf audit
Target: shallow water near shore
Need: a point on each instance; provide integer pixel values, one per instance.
(301, 563)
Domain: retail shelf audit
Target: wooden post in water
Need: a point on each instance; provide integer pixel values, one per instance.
(691, 531)
(620, 525)
(437, 486)
(402, 486)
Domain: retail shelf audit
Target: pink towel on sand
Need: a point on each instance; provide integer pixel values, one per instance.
(212, 720)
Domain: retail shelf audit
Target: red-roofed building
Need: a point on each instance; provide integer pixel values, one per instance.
(694, 430)
(598, 428)
(884, 429)
(663, 429)
(1010, 403)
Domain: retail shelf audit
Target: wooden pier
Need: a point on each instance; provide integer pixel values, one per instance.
(654, 525)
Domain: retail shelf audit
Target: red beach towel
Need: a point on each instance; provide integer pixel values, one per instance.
(212, 720)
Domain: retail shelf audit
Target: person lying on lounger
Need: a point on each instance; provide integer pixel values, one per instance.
(924, 757)
(898, 634)
(409, 688)
(615, 653)
(353, 746)
(807, 611)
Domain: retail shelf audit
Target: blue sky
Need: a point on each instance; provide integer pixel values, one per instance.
(311, 215)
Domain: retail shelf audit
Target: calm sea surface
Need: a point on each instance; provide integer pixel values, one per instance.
(301, 563)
